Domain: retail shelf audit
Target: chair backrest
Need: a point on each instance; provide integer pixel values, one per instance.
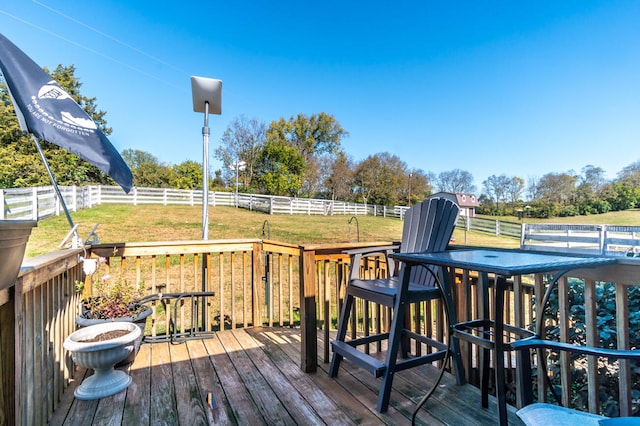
(428, 227)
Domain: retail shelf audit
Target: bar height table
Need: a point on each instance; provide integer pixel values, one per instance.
(503, 263)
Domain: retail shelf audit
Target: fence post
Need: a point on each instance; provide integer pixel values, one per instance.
(74, 198)
(34, 203)
(602, 235)
(497, 227)
(308, 332)
(2, 201)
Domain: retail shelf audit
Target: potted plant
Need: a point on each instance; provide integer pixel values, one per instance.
(112, 299)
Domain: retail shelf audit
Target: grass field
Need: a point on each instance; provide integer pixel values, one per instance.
(120, 223)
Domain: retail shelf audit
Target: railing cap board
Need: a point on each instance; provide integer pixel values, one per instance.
(332, 247)
(172, 247)
(282, 248)
(38, 270)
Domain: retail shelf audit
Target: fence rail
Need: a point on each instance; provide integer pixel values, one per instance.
(41, 202)
(609, 240)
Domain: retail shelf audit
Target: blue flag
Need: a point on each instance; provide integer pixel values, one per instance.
(47, 111)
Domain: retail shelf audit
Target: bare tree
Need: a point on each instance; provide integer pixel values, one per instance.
(457, 181)
(515, 189)
(340, 177)
(242, 141)
(496, 187)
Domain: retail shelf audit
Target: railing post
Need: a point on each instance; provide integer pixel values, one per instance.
(256, 282)
(308, 332)
(2, 212)
(8, 374)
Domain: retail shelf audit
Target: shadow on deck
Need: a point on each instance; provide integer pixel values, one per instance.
(252, 377)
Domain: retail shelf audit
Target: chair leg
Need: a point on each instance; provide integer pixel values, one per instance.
(342, 332)
(485, 372)
(395, 337)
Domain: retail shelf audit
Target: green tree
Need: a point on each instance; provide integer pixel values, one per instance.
(186, 175)
(280, 169)
(312, 136)
(20, 163)
(147, 170)
(556, 192)
(381, 179)
(418, 187)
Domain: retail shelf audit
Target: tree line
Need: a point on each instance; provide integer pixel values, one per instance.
(562, 194)
(303, 156)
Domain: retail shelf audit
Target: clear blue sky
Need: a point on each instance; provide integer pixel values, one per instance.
(517, 87)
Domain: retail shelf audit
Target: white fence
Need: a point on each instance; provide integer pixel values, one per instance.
(610, 240)
(41, 202)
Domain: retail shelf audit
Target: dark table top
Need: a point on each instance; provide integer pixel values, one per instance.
(505, 262)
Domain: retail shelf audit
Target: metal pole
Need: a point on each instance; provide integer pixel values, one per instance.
(205, 209)
(205, 173)
(55, 187)
(237, 168)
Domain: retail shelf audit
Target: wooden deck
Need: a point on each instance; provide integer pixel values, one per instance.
(252, 377)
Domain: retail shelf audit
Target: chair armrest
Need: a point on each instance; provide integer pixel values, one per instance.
(369, 251)
(357, 255)
(568, 347)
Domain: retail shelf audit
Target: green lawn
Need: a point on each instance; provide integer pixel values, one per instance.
(120, 223)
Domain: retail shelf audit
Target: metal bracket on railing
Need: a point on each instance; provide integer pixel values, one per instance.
(266, 225)
(357, 227)
(178, 332)
(75, 238)
(92, 238)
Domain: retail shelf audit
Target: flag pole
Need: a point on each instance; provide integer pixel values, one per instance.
(56, 188)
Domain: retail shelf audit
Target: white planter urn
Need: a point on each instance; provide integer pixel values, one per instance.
(101, 356)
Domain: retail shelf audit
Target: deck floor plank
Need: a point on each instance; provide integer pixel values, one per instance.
(350, 406)
(81, 412)
(266, 400)
(330, 411)
(110, 409)
(241, 404)
(162, 392)
(284, 388)
(211, 392)
(136, 410)
(253, 377)
(191, 410)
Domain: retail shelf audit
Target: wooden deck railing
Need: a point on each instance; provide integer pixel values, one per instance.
(255, 283)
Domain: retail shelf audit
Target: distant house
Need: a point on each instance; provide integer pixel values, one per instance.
(467, 202)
